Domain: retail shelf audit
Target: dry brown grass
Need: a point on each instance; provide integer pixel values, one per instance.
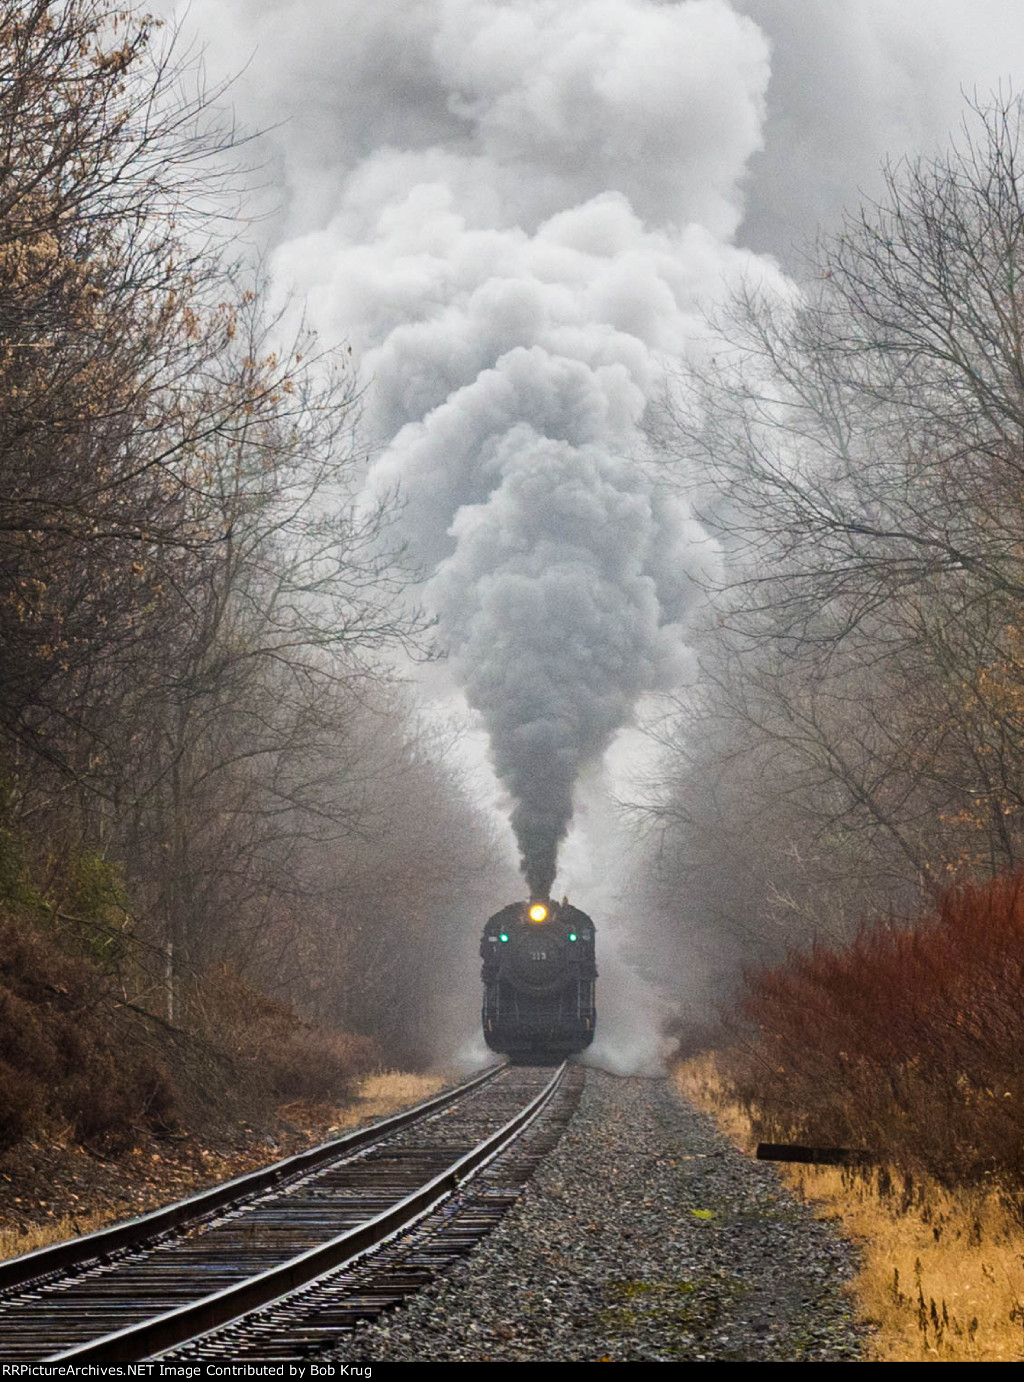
(14, 1242)
(391, 1090)
(374, 1096)
(699, 1080)
(942, 1275)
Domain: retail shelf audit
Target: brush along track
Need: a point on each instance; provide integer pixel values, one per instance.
(249, 1254)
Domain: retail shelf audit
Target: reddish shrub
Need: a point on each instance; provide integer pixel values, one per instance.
(909, 1042)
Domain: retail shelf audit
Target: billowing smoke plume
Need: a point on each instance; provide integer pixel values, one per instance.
(514, 268)
(558, 595)
(522, 203)
(512, 211)
(560, 573)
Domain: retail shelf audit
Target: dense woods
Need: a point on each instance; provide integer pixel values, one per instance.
(856, 745)
(210, 789)
(843, 799)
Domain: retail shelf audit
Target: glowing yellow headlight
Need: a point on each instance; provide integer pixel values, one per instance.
(538, 912)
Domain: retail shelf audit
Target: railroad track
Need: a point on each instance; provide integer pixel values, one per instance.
(285, 1258)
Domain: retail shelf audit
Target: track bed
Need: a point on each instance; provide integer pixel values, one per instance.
(244, 1255)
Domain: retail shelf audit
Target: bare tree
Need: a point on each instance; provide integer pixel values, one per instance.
(191, 599)
(857, 448)
(204, 761)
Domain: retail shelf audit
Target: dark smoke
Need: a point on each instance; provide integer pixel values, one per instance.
(561, 621)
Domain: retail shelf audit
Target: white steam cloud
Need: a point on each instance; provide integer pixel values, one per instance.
(514, 259)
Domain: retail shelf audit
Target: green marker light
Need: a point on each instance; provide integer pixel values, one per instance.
(572, 935)
(503, 937)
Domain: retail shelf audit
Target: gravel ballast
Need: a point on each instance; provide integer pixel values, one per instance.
(643, 1236)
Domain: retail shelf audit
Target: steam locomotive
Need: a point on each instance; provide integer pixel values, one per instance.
(539, 972)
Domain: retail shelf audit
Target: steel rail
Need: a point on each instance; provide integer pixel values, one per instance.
(133, 1233)
(155, 1336)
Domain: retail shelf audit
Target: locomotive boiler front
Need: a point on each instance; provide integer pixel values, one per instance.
(539, 977)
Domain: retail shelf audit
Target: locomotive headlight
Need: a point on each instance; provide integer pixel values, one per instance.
(538, 912)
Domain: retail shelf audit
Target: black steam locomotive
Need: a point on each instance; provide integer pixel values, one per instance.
(538, 974)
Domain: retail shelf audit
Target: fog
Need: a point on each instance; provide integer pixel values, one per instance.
(515, 214)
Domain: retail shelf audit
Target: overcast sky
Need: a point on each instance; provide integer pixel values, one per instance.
(845, 83)
(856, 81)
